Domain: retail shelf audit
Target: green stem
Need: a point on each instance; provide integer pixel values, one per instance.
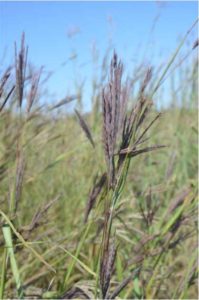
(3, 273)
(9, 245)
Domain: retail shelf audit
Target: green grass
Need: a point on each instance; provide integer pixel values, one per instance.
(46, 249)
(71, 177)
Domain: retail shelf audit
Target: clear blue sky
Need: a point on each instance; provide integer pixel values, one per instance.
(127, 24)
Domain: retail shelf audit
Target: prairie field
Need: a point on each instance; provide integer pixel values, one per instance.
(100, 203)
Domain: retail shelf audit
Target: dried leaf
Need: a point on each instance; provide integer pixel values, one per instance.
(94, 194)
(133, 152)
(123, 284)
(64, 101)
(85, 128)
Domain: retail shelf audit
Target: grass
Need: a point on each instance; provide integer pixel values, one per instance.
(93, 205)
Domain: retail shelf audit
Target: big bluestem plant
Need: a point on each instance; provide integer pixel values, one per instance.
(123, 136)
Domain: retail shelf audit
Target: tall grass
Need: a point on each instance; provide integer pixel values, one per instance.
(95, 205)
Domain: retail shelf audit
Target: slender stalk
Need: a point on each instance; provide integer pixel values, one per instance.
(3, 273)
(9, 245)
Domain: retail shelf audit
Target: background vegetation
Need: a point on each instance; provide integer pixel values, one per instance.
(56, 188)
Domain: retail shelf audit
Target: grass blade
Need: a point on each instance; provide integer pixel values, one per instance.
(9, 245)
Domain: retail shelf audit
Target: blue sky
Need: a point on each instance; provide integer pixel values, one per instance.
(126, 25)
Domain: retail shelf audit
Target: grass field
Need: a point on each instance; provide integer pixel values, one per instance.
(88, 209)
